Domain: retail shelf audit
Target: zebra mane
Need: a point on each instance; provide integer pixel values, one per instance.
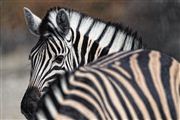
(116, 26)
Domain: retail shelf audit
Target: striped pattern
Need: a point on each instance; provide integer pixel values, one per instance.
(141, 84)
(87, 39)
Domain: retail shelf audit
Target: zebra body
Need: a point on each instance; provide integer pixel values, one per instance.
(139, 85)
(69, 39)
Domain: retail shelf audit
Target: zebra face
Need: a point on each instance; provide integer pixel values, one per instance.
(49, 57)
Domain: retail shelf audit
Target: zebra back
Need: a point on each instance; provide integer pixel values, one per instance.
(141, 84)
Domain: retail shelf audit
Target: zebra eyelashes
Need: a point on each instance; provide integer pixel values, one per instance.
(63, 22)
(59, 59)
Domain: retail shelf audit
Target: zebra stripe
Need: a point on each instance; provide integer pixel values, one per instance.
(140, 84)
(69, 39)
(87, 39)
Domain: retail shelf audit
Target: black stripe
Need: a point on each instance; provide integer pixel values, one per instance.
(49, 53)
(87, 33)
(122, 101)
(85, 44)
(42, 58)
(126, 66)
(92, 51)
(53, 49)
(34, 60)
(89, 83)
(76, 45)
(72, 37)
(77, 39)
(142, 95)
(82, 101)
(80, 20)
(95, 99)
(134, 36)
(76, 98)
(39, 43)
(46, 64)
(69, 60)
(53, 98)
(124, 42)
(68, 65)
(83, 49)
(58, 46)
(101, 82)
(106, 60)
(110, 101)
(106, 49)
(166, 63)
(72, 112)
(74, 63)
(45, 110)
(85, 91)
(143, 62)
(102, 34)
(56, 33)
(128, 95)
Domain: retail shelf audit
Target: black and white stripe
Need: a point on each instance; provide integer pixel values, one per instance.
(78, 40)
(141, 84)
(69, 39)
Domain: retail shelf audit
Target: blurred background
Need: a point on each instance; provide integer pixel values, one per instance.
(158, 22)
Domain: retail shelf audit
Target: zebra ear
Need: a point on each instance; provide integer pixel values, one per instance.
(63, 22)
(32, 21)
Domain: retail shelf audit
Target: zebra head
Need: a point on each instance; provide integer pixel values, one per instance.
(50, 56)
(68, 39)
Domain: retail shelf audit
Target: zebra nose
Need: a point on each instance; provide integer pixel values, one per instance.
(29, 102)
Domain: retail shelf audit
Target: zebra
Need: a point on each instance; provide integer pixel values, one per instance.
(130, 85)
(69, 39)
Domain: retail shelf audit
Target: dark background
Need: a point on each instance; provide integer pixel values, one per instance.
(158, 22)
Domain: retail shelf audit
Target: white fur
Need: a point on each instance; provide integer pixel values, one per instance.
(107, 36)
(118, 42)
(85, 24)
(80, 46)
(40, 115)
(105, 39)
(128, 43)
(51, 107)
(94, 35)
(74, 20)
(96, 30)
(57, 94)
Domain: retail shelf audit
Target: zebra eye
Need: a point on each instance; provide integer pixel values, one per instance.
(45, 89)
(59, 58)
(50, 37)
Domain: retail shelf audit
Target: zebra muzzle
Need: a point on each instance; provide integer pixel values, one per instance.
(29, 102)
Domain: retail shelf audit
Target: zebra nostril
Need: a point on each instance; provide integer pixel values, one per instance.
(29, 102)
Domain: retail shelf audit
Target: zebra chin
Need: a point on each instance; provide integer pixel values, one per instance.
(29, 102)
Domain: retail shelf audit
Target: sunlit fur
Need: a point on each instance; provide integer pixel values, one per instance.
(134, 85)
(87, 40)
